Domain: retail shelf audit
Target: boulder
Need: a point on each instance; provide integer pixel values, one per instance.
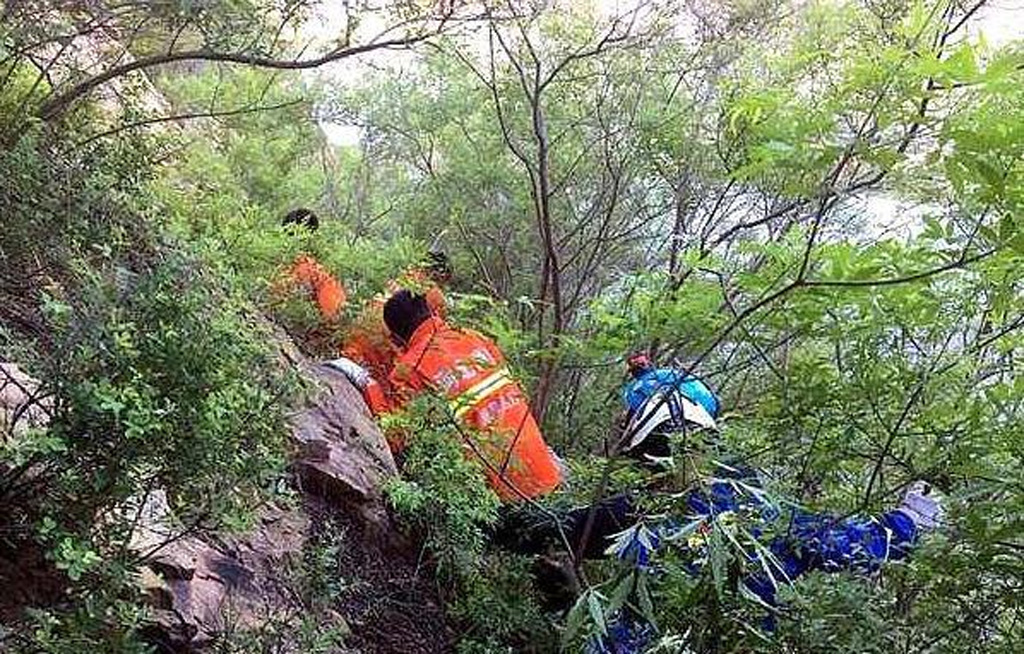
(24, 404)
(341, 454)
(202, 588)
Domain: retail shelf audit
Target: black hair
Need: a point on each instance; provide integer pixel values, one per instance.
(438, 266)
(302, 216)
(404, 312)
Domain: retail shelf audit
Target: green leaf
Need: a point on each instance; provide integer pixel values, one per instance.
(596, 613)
(644, 598)
(574, 621)
(1007, 228)
(718, 556)
(621, 593)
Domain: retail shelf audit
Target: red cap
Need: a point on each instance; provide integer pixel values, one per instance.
(638, 361)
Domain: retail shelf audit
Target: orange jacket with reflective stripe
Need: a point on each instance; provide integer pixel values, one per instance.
(367, 341)
(470, 372)
(326, 291)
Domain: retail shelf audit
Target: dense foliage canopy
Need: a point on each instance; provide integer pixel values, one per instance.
(818, 207)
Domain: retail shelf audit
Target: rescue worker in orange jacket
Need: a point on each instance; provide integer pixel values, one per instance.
(469, 371)
(368, 341)
(307, 273)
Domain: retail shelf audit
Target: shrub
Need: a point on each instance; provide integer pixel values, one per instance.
(444, 497)
(442, 494)
(159, 374)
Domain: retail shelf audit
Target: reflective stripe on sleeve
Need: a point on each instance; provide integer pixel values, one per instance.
(479, 391)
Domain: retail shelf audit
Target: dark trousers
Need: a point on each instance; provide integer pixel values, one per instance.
(527, 529)
(656, 444)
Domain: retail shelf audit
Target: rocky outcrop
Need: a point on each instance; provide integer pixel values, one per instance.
(203, 588)
(342, 455)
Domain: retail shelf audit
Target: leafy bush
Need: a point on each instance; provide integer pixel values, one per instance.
(159, 374)
(163, 380)
(500, 608)
(443, 496)
(94, 621)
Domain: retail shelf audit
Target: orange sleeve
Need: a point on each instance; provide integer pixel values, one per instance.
(406, 384)
(330, 296)
(328, 292)
(402, 387)
(380, 402)
(303, 271)
(410, 377)
(377, 399)
(368, 343)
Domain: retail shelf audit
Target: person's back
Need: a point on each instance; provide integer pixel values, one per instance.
(651, 443)
(646, 380)
(367, 341)
(470, 372)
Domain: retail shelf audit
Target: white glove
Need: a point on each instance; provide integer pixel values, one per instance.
(922, 505)
(356, 374)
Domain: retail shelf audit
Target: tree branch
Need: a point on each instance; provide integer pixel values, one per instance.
(962, 261)
(60, 103)
(188, 116)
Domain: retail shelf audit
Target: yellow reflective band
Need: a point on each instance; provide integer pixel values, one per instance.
(476, 393)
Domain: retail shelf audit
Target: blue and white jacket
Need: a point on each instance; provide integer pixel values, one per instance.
(641, 389)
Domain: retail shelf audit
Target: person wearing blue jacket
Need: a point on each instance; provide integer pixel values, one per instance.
(646, 381)
(802, 541)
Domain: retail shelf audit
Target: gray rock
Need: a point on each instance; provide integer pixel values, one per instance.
(24, 404)
(342, 454)
(201, 589)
